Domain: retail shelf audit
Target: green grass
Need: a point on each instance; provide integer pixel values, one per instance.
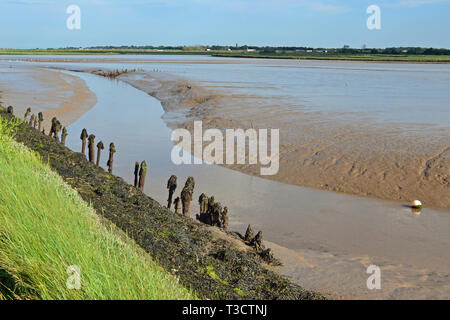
(45, 227)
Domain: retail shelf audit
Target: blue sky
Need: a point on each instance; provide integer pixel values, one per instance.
(316, 23)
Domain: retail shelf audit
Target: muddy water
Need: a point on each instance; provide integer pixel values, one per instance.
(326, 240)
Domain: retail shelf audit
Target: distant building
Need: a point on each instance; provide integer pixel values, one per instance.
(251, 50)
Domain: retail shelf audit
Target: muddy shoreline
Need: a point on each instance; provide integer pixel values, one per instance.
(213, 263)
(385, 162)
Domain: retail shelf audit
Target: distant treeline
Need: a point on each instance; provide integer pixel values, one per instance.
(278, 50)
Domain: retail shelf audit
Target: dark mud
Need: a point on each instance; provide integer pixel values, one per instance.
(215, 264)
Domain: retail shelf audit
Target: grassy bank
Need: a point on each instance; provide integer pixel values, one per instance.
(45, 227)
(214, 264)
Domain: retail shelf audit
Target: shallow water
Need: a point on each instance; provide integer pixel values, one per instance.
(326, 239)
(380, 92)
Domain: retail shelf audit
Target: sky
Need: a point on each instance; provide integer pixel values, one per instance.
(313, 23)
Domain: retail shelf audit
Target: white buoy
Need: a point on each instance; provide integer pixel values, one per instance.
(417, 204)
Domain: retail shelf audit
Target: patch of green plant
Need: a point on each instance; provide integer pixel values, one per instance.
(46, 230)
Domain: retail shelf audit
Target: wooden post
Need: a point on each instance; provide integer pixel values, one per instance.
(64, 134)
(186, 197)
(177, 205)
(27, 113)
(136, 174)
(142, 173)
(224, 219)
(112, 150)
(248, 234)
(91, 147)
(40, 118)
(172, 186)
(57, 129)
(10, 110)
(52, 128)
(100, 147)
(31, 120)
(83, 138)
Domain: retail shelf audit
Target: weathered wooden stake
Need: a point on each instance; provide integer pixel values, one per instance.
(35, 123)
(203, 202)
(10, 110)
(27, 113)
(53, 127)
(172, 186)
(58, 127)
(257, 241)
(177, 205)
(224, 219)
(30, 123)
(91, 147)
(64, 134)
(83, 138)
(100, 147)
(112, 150)
(249, 234)
(186, 197)
(142, 173)
(136, 174)
(40, 118)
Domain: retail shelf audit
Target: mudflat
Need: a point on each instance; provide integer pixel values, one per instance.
(391, 162)
(55, 93)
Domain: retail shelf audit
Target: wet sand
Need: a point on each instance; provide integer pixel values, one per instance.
(399, 162)
(54, 93)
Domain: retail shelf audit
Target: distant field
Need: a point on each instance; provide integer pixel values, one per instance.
(348, 57)
(235, 54)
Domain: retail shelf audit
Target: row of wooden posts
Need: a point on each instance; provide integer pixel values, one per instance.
(56, 127)
(211, 212)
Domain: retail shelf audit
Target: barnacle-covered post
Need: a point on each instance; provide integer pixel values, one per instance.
(64, 134)
(31, 120)
(257, 242)
(136, 174)
(100, 147)
(142, 174)
(172, 186)
(203, 202)
(53, 127)
(91, 147)
(83, 138)
(224, 219)
(186, 198)
(27, 113)
(112, 150)
(248, 234)
(40, 119)
(58, 127)
(177, 205)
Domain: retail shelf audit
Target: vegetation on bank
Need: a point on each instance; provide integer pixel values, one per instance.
(212, 263)
(349, 54)
(338, 56)
(45, 228)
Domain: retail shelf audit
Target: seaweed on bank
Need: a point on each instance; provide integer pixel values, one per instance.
(212, 266)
